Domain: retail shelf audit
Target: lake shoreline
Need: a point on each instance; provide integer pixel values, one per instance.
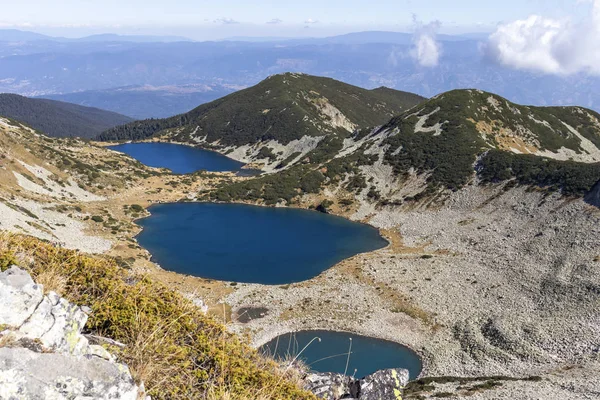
(325, 239)
(431, 263)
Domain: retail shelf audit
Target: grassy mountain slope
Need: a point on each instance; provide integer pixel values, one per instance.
(59, 119)
(442, 144)
(171, 345)
(282, 108)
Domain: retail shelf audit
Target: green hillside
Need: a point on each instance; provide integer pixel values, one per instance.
(282, 108)
(57, 118)
(447, 141)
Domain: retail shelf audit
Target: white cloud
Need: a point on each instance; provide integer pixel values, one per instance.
(275, 21)
(226, 21)
(551, 46)
(311, 21)
(426, 49)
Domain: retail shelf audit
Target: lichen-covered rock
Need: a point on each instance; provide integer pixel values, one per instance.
(19, 296)
(45, 355)
(57, 324)
(25, 374)
(382, 385)
(330, 386)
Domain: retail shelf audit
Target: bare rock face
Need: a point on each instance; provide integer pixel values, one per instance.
(43, 354)
(26, 374)
(331, 386)
(19, 296)
(382, 385)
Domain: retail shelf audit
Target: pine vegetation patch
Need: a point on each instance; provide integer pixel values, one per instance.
(569, 177)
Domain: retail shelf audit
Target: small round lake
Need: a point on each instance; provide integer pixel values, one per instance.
(242, 243)
(367, 356)
(178, 158)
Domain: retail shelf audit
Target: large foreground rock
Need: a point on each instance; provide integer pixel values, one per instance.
(382, 385)
(19, 296)
(26, 374)
(43, 354)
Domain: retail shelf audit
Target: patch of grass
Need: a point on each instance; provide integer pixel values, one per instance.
(176, 350)
(7, 258)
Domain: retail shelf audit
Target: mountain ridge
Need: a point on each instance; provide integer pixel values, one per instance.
(57, 118)
(444, 143)
(269, 101)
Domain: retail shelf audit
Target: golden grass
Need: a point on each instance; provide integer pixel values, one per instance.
(176, 350)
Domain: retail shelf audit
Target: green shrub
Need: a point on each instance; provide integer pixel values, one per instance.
(136, 208)
(568, 177)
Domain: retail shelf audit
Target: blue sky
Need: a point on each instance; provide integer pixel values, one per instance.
(201, 19)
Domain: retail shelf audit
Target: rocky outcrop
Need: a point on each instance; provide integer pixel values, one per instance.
(382, 385)
(43, 354)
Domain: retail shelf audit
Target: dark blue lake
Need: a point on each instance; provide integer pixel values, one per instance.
(367, 356)
(242, 243)
(178, 158)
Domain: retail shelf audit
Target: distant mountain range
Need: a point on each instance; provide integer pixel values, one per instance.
(142, 102)
(59, 119)
(96, 69)
(15, 35)
(360, 38)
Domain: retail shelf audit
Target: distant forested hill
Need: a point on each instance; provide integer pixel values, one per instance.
(142, 102)
(59, 119)
(283, 108)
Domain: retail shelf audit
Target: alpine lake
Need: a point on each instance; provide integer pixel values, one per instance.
(263, 245)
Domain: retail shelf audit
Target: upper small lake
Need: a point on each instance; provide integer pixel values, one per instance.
(178, 158)
(243, 243)
(368, 355)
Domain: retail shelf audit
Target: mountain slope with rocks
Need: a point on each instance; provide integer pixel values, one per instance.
(282, 116)
(491, 210)
(444, 144)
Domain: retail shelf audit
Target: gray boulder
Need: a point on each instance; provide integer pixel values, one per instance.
(382, 385)
(26, 374)
(45, 356)
(19, 296)
(57, 324)
(331, 386)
